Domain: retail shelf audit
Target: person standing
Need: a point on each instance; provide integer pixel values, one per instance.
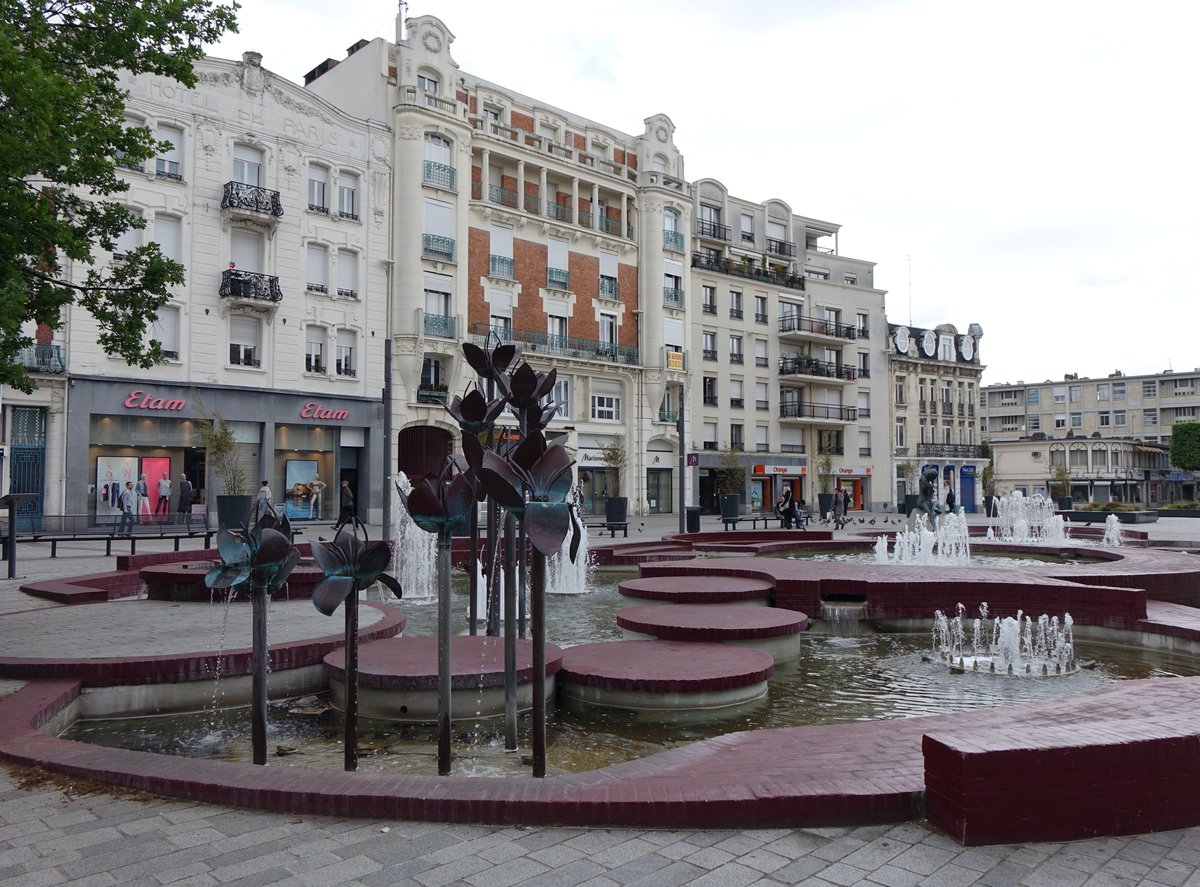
(787, 508)
(163, 506)
(126, 503)
(185, 501)
(265, 500)
(839, 508)
(347, 513)
(142, 497)
(949, 498)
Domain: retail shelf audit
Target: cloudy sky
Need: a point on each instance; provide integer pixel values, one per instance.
(1028, 166)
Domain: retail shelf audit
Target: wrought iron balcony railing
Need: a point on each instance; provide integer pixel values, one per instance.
(950, 451)
(736, 357)
(811, 366)
(793, 448)
(735, 313)
(249, 285)
(762, 405)
(551, 344)
(712, 230)
(761, 318)
(440, 175)
(611, 226)
(710, 400)
(762, 361)
(441, 325)
(709, 308)
(42, 359)
(673, 240)
(502, 196)
(737, 403)
(533, 204)
(251, 198)
(749, 271)
(781, 247)
(797, 323)
(500, 266)
(437, 247)
(792, 409)
(710, 353)
(559, 212)
(609, 288)
(672, 297)
(668, 415)
(558, 279)
(432, 395)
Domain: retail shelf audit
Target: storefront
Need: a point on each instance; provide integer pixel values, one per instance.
(856, 480)
(768, 482)
(303, 445)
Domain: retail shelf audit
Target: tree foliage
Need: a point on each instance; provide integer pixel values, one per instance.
(616, 460)
(62, 133)
(1185, 446)
(731, 475)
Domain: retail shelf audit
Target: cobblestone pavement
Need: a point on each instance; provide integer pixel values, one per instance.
(59, 831)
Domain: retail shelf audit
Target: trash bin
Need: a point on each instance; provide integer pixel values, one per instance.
(692, 515)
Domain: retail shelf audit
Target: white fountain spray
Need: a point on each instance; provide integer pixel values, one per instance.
(414, 552)
(1015, 646)
(1027, 520)
(948, 544)
(1112, 532)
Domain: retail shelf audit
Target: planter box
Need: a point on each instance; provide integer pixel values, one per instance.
(1099, 517)
(1179, 512)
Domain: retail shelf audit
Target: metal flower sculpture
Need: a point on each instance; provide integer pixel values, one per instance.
(534, 483)
(350, 564)
(527, 387)
(440, 503)
(474, 413)
(491, 366)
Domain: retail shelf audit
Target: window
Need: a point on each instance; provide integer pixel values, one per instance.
(169, 163)
(901, 433)
(432, 374)
(815, 274)
(760, 353)
(345, 353)
(1060, 394)
(500, 253)
(1102, 391)
(1119, 418)
(348, 196)
(556, 327)
(747, 228)
(491, 112)
(127, 241)
(347, 273)
(1035, 422)
(671, 220)
(737, 439)
(736, 394)
(1184, 387)
(864, 442)
(901, 386)
(1150, 388)
(438, 239)
(672, 283)
(864, 324)
(500, 303)
(247, 165)
(558, 275)
(437, 300)
(710, 391)
(318, 268)
(1060, 421)
(1058, 456)
(945, 348)
(710, 435)
(1076, 393)
(246, 250)
(1105, 419)
(167, 235)
(1079, 457)
(1076, 420)
(760, 309)
(850, 279)
(608, 328)
(608, 275)
(562, 398)
(1118, 390)
(606, 407)
(1182, 413)
(1033, 396)
(429, 86)
(314, 349)
(761, 442)
(864, 364)
(243, 341)
(735, 349)
(709, 341)
(761, 397)
(165, 330)
(735, 304)
(709, 299)
(318, 189)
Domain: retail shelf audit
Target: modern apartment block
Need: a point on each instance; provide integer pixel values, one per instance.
(395, 197)
(1113, 433)
(935, 376)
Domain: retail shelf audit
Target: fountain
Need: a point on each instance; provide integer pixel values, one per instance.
(414, 552)
(947, 544)
(1013, 646)
(564, 576)
(1027, 520)
(1112, 532)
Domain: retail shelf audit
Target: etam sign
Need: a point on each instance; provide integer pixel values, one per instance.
(148, 400)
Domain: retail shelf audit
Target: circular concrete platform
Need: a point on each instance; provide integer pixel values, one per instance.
(664, 678)
(398, 678)
(692, 589)
(775, 632)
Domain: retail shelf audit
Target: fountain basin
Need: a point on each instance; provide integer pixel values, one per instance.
(767, 629)
(398, 678)
(671, 679)
(183, 582)
(699, 590)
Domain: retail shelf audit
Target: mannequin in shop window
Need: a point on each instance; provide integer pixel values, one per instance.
(315, 487)
(141, 492)
(164, 496)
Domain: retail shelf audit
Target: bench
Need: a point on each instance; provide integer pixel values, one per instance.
(55, 528)
(612, 527)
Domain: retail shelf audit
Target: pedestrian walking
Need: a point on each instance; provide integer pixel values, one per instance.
(265, 499)
(126, 502)
(185, 501)
(786, 508)
(839, 508)
(346, 515)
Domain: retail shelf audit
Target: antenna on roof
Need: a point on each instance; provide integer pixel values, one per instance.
(910, 289)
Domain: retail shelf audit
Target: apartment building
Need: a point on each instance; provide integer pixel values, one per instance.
(935, 376)
(1113, 433)
(278, 205)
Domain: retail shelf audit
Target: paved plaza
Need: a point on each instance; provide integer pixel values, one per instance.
(58, 830)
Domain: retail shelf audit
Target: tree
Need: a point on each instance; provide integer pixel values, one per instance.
(62, 134)
(731, 476)
(221, 452)
(615, 459)
(1185, 446)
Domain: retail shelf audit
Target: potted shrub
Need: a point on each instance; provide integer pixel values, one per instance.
(730, 481)
(825, 484)
(221, 456)
(1060, 487)
(616, 506)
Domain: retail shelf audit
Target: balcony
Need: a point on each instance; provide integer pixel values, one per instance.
(710, 445)
(671, 416)
(864, 412)
(798, 323)
(712, 230)
(803, 365)
(762, 361)
(609, 288)
(781, 247)
(558, 279)
(923, 407)
(444, 326)
(737, 445)
(564, 346)
(168, 169)
(611, 226)
(250, 287)
(434, 246)
(736, 357)
(251, 201)
(709, 308)
(710, 353)
(831, 450)
(950, 451)
(749, 271)
(947, 408)
(737, 403)
(762, 405)
(344, 293)
(762, 448)
(761, 318)
(673, 240)
(42, 359)
(501, 267)
(735, 313)
(585, 218)
(502, 196)
(432, 394)
(793, 448)
(710, 400)
(672, 297)
(533, 204)
(794, 409)
(440, 175)
(559, 212)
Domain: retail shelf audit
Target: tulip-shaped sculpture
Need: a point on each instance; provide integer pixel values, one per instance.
(442, 504)
(258, 559)
(533, 484)
(350, 564)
